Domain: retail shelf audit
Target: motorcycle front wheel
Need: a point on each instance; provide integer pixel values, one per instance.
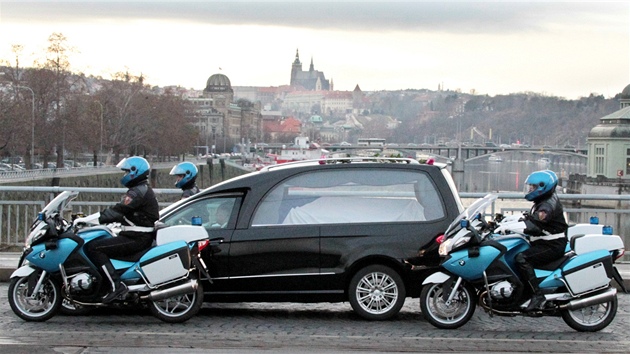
(178, 308)
(447, 316)
(591, 318)
(40, 306)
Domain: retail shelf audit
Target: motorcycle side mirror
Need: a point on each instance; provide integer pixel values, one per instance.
(52, 228)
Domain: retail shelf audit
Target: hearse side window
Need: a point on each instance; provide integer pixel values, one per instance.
(215, 213)
(351, 196)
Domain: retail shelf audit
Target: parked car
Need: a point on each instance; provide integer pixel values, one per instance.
(71, 164)
(12, 160)
(324, 231)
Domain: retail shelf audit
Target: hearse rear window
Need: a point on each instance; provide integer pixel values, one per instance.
(351, 196)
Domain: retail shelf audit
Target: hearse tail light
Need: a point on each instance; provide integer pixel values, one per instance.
(203, 244)
(620, 253)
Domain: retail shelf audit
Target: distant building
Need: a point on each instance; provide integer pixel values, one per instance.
(303, 101)
(608, 170)
(282, 131)
(310, 80)
(221, 121)
(609, 143)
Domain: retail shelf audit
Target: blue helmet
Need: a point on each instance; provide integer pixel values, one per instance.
(136, 168)
(540, 183)
(187, 171)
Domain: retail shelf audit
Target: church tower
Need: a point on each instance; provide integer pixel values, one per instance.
(295, 68)
(310, 80)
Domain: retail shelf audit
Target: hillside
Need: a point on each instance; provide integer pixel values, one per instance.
(432, 117)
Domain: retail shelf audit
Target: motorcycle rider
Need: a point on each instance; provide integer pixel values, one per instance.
(546, 227)
(186, 173)
(137, 212)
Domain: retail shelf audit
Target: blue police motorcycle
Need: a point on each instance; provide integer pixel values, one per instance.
(54, 269)
(478, 268)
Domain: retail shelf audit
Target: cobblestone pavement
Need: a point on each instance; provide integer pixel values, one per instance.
(312, 328)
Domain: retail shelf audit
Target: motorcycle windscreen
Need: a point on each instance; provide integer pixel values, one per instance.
(469, 267)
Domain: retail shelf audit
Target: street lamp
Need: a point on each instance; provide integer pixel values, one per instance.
(32, 121)
(100, 151)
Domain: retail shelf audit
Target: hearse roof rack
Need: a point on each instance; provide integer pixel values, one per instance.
(341, 160)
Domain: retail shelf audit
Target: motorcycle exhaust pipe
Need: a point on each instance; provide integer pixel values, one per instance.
(590, 301)
(186, 288)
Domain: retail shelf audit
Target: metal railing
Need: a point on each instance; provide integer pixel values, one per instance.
(36, 174)
(16, 216)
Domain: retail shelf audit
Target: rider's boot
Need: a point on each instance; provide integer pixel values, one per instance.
(118, 288)
(538, 298)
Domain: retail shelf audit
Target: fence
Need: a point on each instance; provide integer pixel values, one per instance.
(16, 216)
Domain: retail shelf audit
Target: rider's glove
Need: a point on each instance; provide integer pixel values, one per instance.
(531, 228)
(88, 220)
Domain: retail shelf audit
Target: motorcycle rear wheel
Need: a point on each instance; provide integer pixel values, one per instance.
(447, 316)
(591, 318)
(38, 308)
(178, 308)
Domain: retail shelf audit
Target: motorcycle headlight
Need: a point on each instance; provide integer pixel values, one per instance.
(462, 241)
(34, 236)
(445, 247)
(448, 245)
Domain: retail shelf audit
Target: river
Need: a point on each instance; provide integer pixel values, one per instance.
(508, 175)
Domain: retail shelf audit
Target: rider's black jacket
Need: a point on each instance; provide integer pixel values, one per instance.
(554, 223)
(139, 207)
(189, 189)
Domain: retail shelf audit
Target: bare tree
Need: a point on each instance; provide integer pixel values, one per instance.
(58, 63)
(16, 110)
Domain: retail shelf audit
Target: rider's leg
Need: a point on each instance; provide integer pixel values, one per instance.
(529, 275)
(100, 251)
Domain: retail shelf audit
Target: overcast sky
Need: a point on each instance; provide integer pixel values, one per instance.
(567, 49)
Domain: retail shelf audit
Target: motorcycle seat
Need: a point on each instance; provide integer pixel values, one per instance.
(134, 257)
(557, 263)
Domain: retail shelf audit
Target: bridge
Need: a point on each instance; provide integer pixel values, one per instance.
(447, 151)
(467, 152)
